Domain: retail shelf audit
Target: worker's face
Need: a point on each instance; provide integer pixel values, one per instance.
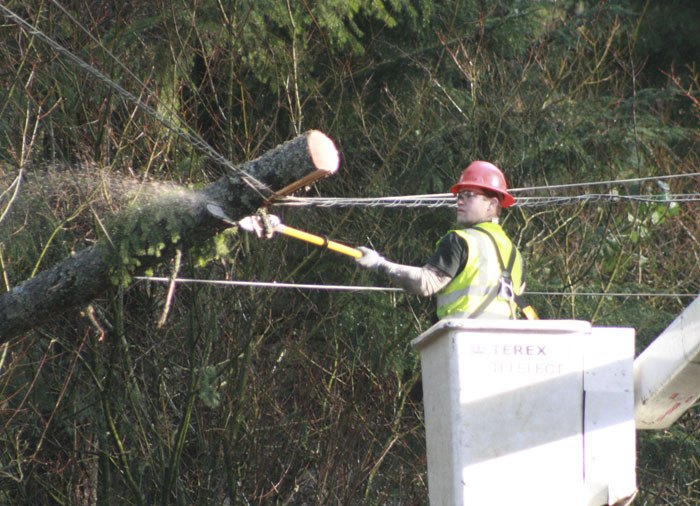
(474, 207)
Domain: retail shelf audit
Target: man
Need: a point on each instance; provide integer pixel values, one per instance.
(476, 271)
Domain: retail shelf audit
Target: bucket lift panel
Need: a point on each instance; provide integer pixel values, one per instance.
(528, 412)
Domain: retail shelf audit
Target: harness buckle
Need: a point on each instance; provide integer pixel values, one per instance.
(505, 290)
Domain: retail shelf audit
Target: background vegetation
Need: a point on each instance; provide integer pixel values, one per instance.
(259, 396)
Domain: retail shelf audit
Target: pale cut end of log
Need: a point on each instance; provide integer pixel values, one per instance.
(325, 158)
(323, 152)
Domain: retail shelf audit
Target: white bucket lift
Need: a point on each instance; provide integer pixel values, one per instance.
(528, 412)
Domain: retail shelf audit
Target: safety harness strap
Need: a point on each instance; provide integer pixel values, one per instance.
(525, 308)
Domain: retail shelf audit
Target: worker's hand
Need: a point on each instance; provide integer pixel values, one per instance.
(370, 259)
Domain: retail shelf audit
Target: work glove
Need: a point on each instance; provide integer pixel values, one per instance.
(370, 259)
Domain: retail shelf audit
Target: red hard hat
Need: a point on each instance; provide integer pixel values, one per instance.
(486, 176)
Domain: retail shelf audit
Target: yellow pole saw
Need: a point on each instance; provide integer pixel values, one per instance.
(271, 224)
(266, 226)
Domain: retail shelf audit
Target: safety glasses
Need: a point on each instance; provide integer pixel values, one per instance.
(466, 195)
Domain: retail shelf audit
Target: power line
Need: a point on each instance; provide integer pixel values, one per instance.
(448, 200)
(613, 294)
(267, 284)
(359, 288)
(607, 183)
(191, 137)
(438, 200)
(591, 198)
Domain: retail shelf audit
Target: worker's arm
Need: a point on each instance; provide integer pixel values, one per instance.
(426, 280)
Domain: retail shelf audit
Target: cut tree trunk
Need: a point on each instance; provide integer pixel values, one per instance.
(152, 233)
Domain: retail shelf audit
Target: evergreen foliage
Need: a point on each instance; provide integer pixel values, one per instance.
(258, 396)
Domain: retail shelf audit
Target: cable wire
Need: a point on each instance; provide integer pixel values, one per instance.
(267, 284)
(359, 288)
(448, 200)
(607, 183)
(612, 294)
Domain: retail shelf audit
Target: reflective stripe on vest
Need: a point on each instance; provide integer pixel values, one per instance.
(481, 276)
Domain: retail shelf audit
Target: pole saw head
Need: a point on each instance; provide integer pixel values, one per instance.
(261, 226)
(268, 224)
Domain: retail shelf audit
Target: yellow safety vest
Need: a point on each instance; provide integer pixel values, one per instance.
(480, 290)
